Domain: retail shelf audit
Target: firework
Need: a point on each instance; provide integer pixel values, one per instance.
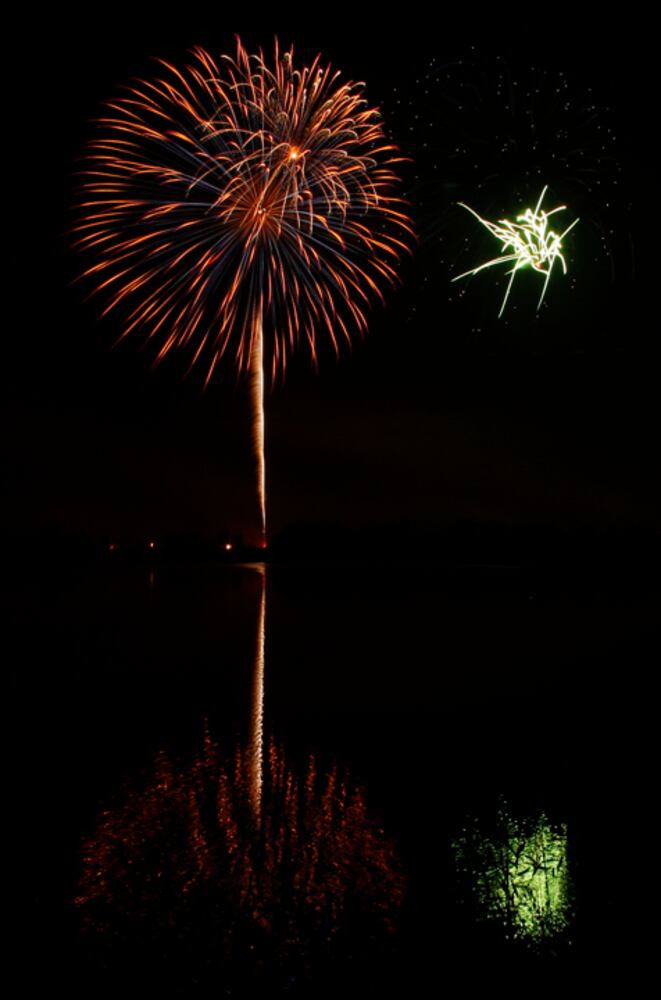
(490, 127)
(531, 242)
(239, 209)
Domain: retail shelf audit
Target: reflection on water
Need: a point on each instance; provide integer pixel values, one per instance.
(257, 707)
(241, 859)
(234, 861)
(518, 874)
(179, 861)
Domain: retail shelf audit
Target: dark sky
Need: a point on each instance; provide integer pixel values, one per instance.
(444, 411)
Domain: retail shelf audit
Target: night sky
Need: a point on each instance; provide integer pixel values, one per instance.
(443, 412)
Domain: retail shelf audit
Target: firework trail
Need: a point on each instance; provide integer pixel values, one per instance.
(257, 397)
(239, 209)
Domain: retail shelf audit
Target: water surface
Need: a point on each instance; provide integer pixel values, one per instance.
(492, 729)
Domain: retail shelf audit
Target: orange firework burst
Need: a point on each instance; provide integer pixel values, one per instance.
(238, 209)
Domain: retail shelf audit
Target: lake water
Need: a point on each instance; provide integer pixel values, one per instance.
(244, 780)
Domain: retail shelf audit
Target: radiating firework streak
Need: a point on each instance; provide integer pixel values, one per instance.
(531, 242)
(256, 743)
(228, 202)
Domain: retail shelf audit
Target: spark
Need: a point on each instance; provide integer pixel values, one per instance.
(531, 242)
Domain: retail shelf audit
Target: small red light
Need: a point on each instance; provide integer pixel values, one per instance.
(112, 547)
(152, 545)
(228, 546)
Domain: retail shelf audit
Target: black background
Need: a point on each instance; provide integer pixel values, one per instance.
(442, 413)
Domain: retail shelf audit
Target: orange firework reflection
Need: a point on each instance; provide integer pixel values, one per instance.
(256, 746)
(238, 208)
(180, 858)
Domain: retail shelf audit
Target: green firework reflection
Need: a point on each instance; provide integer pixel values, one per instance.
(519, 875)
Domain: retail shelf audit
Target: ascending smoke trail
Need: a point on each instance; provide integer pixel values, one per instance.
(256, 372)
(256, 744)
